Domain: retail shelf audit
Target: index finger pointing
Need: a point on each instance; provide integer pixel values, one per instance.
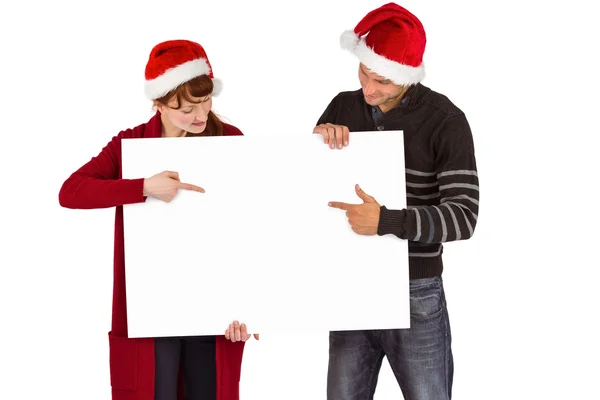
(340, 205)
(189, 186)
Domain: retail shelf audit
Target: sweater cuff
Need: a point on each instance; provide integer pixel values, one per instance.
(391, 221)
(134, 191)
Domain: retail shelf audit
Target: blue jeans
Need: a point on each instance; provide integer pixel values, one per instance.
(420, 357)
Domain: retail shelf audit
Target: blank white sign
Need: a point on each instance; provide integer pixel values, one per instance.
(261, 246)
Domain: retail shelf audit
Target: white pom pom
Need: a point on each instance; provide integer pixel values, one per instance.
(217, 87)
(349, 40)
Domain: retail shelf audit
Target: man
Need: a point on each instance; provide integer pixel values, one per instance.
(442, 195)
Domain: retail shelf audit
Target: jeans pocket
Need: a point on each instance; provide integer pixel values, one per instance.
(426, 299)
(123, 356)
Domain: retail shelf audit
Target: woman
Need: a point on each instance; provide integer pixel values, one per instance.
(180, 82)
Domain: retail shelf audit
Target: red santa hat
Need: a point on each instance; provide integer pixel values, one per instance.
(393, 46)
(173, 63)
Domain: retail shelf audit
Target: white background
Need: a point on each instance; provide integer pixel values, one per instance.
(522, 293)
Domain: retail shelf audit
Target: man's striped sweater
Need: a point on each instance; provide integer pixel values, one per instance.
(442, 186)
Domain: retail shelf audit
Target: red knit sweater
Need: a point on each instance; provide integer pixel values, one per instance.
(99, 184)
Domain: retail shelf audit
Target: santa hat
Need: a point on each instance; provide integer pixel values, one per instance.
(393, 46)
(173, 63)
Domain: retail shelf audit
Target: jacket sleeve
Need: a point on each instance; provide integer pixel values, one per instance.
(97, 184)
(455, 217)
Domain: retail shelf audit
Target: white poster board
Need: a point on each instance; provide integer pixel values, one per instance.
(261, 245)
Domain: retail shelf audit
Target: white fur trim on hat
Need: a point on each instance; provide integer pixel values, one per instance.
(398, 73)
(173, 77)
(349, 40)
